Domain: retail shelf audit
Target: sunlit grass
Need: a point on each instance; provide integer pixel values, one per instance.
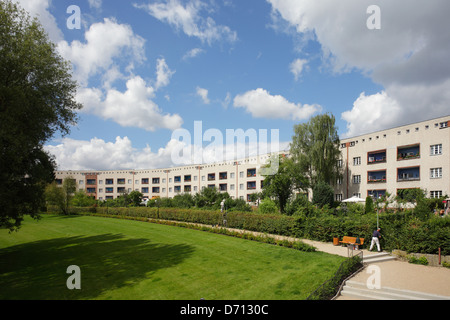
(122, 259)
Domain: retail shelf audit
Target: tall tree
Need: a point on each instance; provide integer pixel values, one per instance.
(315, 150)
(37, 99)
(282, 184)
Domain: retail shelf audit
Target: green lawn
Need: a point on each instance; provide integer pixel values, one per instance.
(122, 259)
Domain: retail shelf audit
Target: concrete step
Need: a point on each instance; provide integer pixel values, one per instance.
(358, 290)
(379, 257)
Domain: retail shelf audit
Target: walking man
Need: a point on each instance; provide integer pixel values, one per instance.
(376, 239)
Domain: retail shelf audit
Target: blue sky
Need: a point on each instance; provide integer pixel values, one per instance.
(147, 68)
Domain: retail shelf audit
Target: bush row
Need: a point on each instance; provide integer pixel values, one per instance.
(400, 230)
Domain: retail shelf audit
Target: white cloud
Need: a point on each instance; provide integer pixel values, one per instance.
(261, 104)
(106, 43)
(132, 108)
(163, 74)
(408, 56)
(97, 4)
(39, 9)
(369, 111)
(97, 154)
(203, 93)
(297, 66)
(193, 53)
(189, 20)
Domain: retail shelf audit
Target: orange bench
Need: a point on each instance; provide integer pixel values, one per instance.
(352, 240)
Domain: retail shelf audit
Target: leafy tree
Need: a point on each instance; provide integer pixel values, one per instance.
(81, 199)
(61, 196)
(282, 184)
(323, 194)
(135, 198)
(37, 99)
(315, 150)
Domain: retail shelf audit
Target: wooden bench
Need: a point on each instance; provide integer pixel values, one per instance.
(352, 240)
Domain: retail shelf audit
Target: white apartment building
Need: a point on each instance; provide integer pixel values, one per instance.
(406, 157)
(239, 178)
(410, 156)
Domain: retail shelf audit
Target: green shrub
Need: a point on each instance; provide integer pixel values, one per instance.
(268, 206)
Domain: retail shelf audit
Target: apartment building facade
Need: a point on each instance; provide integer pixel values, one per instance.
(239, 178)
(406, 157)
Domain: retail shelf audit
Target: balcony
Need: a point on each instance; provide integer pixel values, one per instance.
(376, 157)
(187, 178)
(376, 176)
(177, 179)
(408, 152)
(376, 193)
(211, 176)
(251, 173)
(223, 176)
(251, 185)
(155, 181)
(408, 174)
(223, 187)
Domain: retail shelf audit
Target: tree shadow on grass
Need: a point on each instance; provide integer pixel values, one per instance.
(37, 270)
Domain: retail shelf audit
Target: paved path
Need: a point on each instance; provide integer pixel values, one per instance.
(397, 274)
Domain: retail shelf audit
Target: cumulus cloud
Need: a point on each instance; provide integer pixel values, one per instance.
(370, 110)
(407, 56)
(261, 104)
(97, 154)
(188, 18)
(39, 9)
(105, 42)
(132, 108)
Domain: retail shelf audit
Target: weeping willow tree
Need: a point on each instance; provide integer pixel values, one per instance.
(315, 150)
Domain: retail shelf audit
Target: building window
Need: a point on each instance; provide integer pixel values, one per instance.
(339, 197)
(339, 163)
(155, 190)
(436, 149)
(436, 194)
(231, 175)
(110, 190)
(355, 194)
(177, 179)
(121, 181)
(443, 125)
(187, 188)
(211, 176)
(435, 173)
(251, 173)
(109, 181)
(187, 178)
(177, 189)
(155, 181)
(223, 187)
(356, 179)
(356, 161)
(222, 175)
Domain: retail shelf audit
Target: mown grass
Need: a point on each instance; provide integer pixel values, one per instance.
(123, 259)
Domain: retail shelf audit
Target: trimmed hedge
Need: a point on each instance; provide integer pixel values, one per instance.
(400, 230)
